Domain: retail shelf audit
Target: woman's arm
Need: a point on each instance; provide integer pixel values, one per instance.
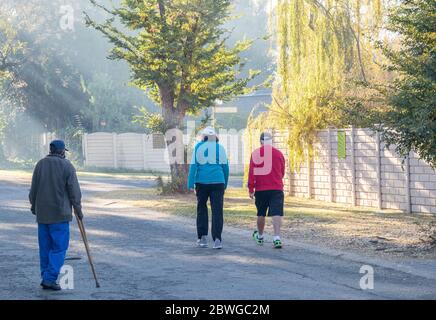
(192, 171)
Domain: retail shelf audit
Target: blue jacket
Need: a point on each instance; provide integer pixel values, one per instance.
(209, 164)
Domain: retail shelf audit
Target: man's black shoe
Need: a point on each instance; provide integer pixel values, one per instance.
(50, 286)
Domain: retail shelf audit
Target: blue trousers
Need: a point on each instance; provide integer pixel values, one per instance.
(53, 244)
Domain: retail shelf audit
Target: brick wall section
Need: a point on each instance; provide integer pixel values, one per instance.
(320, 171)
(380, 176)
(366, 168)
(422, 186)
(295, 182)
(393, 181)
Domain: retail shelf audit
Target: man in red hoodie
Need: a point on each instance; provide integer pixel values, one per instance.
(265, 184)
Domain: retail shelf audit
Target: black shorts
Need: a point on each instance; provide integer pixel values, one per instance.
(271, 201)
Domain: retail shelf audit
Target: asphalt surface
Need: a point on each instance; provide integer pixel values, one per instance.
(142, 254)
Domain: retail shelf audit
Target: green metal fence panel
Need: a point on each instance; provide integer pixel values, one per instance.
(342, 149)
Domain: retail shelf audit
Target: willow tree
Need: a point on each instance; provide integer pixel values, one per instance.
(322, 52)
(177, 52)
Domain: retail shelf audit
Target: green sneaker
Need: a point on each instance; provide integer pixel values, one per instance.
(277, 244)
(256, 238)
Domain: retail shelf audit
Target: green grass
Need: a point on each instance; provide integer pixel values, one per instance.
(311, 220)
(239, 208)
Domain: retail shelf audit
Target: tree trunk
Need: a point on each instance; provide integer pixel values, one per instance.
(174, 119)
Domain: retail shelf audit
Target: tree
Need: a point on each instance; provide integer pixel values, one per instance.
(177, 53)
(12, 54)
(11, 50)
(410, 120)
(11, 57)
(38, 82)
(110, 108)
(323, 50)
(40, 74)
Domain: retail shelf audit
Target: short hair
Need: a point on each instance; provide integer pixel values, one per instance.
(265, 136)
(54, 150)
(206, 138)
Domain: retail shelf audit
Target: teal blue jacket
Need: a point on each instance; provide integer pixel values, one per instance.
(209, 164)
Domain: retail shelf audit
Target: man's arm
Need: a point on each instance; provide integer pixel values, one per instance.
(74, 192)
(192, 171)
(251, 178)
(226, 170)
(283, 161)
(34, 189)
(224, 161)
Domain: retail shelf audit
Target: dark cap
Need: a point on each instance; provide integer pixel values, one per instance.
(266, 136)
(58, 145)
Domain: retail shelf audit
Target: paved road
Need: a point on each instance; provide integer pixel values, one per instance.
(141, 254)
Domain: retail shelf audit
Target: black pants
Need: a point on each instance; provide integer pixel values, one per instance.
(216, 194)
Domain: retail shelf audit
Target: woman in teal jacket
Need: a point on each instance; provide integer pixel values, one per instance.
(209, 174)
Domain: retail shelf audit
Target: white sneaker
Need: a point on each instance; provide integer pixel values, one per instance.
(217, 244)
(202, 243)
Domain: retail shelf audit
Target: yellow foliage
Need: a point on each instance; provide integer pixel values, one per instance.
(320, 53)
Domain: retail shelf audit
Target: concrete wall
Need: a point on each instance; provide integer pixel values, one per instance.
(138, 152)
(371, 175)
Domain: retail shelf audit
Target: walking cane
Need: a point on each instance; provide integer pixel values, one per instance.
(88, 252)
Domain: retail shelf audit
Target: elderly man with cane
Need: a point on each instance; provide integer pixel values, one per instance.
(54, 191)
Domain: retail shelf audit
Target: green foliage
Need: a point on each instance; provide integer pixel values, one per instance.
(177, 51)
(427, 231)
(21, 138)
(255, 126)
(153, 122)
(2, 134)
(178, 54)
(170, 187)
(321, 56)
(42, 80)
(2, 125)
(110, 108)
(410, 120)
(11, 58)
(72, 135)
(11, 50)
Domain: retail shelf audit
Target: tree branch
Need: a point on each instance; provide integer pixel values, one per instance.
(359, 51)
(101, 7)
(162, 10)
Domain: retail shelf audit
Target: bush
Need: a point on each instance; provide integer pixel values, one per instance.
(168, 188)
(428, 233)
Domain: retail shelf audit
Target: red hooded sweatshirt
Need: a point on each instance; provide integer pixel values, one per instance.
(267, 169)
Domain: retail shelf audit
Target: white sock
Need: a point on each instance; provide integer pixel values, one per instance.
(276, 238)
(260, 236)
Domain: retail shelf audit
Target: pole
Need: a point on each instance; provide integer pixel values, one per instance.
(88, 251)
(213, 119)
